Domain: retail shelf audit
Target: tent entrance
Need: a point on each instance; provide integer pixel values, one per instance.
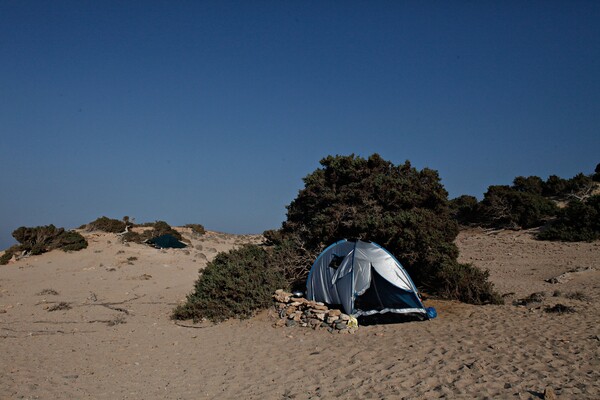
(383, 296)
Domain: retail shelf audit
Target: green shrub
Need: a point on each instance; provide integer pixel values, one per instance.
(71, 241)
(9, 253)
(42, 239)
(233, 285)
(106, 224)
(467, 283)
(579, 221)
(196, 228)
(401, 208)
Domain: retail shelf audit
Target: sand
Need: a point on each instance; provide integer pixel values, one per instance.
(114, 339)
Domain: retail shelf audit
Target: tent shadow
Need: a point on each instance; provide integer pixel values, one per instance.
(389, 318)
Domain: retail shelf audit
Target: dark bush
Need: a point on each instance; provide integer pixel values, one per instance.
(579, 221)
(71, 241)
(233, 285)
(580, 183)
(465, 209)
(401, 208)
(162, 228)
(505, 207)
(159, 228)
(530, 184)
(134, 237)
(106, 224)
(576, 187)
(555, 186)
(42, 239)
(596, 176)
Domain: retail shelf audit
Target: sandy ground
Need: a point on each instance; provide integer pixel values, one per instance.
(116, 340)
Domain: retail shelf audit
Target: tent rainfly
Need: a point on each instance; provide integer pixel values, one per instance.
(365, 279)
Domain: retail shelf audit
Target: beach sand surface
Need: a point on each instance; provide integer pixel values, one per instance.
(95, 324)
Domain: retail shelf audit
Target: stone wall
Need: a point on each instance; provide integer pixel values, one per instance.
(298, 311)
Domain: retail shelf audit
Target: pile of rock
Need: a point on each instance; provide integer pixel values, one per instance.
(297, 311)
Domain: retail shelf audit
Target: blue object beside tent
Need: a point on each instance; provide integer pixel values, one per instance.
(431, 312)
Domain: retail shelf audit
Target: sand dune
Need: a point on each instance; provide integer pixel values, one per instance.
(95, 324)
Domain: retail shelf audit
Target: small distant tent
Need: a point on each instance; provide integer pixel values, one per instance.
(365, 279)
(166, 241)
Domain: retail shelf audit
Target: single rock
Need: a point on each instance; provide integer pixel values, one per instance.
(334, 313)
(298, 300)
(549, 394)
(340, 325)
(314, 322)
(279, 323)
(290, 310)
(282, 296)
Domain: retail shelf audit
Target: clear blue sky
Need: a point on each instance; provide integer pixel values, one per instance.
(212, 112)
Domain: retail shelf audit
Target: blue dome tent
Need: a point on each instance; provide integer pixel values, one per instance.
(365, 279)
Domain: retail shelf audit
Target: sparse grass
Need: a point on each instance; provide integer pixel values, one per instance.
(120, 319)
(536, 297)
(577, 296)
(47, 292)
(60, 306)
(560, 309)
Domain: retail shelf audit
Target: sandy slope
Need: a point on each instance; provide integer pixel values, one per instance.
(117, 341)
